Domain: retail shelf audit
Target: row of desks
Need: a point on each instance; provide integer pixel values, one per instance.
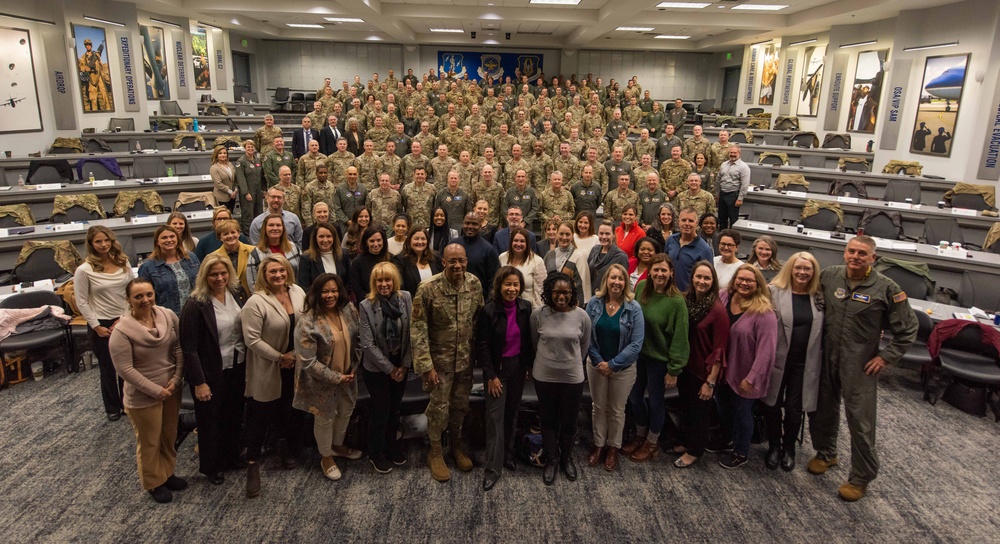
(178, 160)
(821, 179)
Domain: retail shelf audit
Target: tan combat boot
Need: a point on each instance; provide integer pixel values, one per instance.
(462, 460)
(435, 460)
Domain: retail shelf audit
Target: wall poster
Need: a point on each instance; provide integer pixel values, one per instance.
(19, 110)
(751, 75)
(812, 81)
(93, 70)
(863, 113)
(202, 65)
(154, 63)
(937, 108)
(768, 74)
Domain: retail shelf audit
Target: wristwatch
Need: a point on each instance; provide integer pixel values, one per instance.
(711, 385)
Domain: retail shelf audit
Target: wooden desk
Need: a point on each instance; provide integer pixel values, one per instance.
(947, 271)
(40, 202)
(142, 234)
(973, 227)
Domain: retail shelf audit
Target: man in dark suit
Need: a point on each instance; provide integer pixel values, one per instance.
(328, 136)
(302, 137)
(501, 240)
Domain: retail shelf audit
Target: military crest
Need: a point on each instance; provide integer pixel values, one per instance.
(453, 64)
(529, 66)
(489, 66)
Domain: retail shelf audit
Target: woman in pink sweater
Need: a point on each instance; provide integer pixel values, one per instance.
(146, 352)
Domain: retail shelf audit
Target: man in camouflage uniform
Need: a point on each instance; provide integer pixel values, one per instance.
(293, 193)
(441, 165)
(695, 197)
(577, 110)
(481, 140)
(418, 196)
(391, 164)
(577, 147)
(555, 202)
(697, 144)
(654, 121)
(378, 134)
(467, 171)
(646, 104)
(600, 172)
(455, 201)
(616, 201)
(94, 83)
(466, 143)
(617, 165)
(358, 114)
(677, 116)
(275, 159)
(416, 159)
(489, 158)
(598, 142)
(498, 117)
(668, 141)
(516, 162)
(339, 161)
(640, 172)
(525, 137)
(522, 196)
(616, 125)
(384, 203)
(309, 162)
(445, 310)
(549, 139)
(650, 198)
(318, 190)
(566, 163)
(474, 119)
(626, 146)
(503, 144)
(674, 172)
(587, 195)
(541, 166)
(719, 151)
(567, 125)
(368, 164)
(317, 117)
(452, 137)
(632, 115)
(592, 120)
(644, 145)
(265, 135)
(428, 142)
(490, 191)
(348, 198)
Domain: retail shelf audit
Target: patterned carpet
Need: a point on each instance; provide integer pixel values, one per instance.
(69, 475)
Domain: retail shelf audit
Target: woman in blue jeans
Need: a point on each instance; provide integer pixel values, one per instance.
(753, 337)
(664, 353)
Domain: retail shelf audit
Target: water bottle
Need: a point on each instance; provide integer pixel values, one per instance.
(196, 125)
(138, 147)
(871, 145)
(170, 172)
(20, 181)
(90, 177)
(156, 126)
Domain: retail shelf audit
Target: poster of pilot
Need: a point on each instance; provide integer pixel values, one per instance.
(768, 75)
(154, 63)
(863, 113)
(19, 111)
(94, 70)
(937, 110)
(812, 82)
(199, 46)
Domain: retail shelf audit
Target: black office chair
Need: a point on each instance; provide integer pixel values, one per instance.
(738, 138)
(199, 166)
(4, 180)
(767, 214)
(144, 143)
(188, 142)
(841, 141)
(974, 368)
(149, 167)
(914, 285)
(979, 289)
(823, 219)
(244, 110)
(947, 229)
(754, 111)
(311, 97)
(250, 98)
(47, 174)
(99, 171)
(917, 355)
(774, 139)
(128, 247)
(95, 146)
(849, 187)
(882, 224)
(772, 160)
(298, 103)
(970, 202)
(805, 140)
(123, 123)
(76, 214)
(812, 161)
(281, 99)
(760, 174)
(827, 257)
(170, 107)
(214, 109)
(855, 167)
(37, 339)
(40, 265)
(898, 190)
(9, 221)
(706, 105)
(728, 106)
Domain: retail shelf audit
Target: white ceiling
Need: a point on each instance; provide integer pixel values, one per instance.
(591, 24)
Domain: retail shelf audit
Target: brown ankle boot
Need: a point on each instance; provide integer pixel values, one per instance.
(647, 451)
(462, 461)
(435, 460)
(635, 444)
(594, 458)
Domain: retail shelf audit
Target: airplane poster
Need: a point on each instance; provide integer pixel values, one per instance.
(937, 110)
(19, 111)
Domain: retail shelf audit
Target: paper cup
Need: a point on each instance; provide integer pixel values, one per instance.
(37, 370)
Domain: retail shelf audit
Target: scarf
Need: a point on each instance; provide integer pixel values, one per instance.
(601, 260)
(698, 309)
(563, 255)
(390, 328)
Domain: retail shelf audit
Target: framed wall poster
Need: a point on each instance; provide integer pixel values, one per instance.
(863, 112)
(768, 75)
(202, 65)
(812, 81)
(154, 63)
(937, 109)
(19, 109)
(93, 69)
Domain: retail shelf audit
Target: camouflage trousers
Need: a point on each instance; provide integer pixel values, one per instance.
(449, 402)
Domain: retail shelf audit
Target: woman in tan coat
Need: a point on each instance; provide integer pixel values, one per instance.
(223, 175)
(268, 321)
(147, 354)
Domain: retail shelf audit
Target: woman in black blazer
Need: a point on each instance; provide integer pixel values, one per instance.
(211, 334)
(417, 261)
(503, 377)
(355, 138)
(324, 256)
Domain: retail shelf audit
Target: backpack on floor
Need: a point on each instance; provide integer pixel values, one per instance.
(529, 449)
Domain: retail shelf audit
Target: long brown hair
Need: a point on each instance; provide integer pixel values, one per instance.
(647, 289)
(528, 253)
(313, 251)
(185, 237)
(285, 245)
(157, 255)
(116, 253)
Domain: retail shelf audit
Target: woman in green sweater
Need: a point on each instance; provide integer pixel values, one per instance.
(664, 353)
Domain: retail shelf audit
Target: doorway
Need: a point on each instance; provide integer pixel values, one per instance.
(730, 89)
(241, 75)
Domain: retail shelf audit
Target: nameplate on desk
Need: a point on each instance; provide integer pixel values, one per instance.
(899, 205)
(48, 186)
(65, 227)
(953, 253)
(883, 243)
(849, 199)
(40, 285)
(821, 234)
(171, 179)
(145, 220)
(796, 194)
(904, 246)
(756, 225)
(103, 183)
(201, 214)
(206, 177)
(964, 211)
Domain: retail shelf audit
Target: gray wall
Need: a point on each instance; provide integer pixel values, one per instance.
(667, 75)
(302, 65)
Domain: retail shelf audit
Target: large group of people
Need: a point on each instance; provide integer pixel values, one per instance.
(636, 300)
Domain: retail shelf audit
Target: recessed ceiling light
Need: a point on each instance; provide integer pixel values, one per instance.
(302, 25)
(344, 19)
(671, 37)
(162, 22)
(760, 7)
(556, 2)
(635, 28)
(451, 30)
(105, 21)
(684, 5)
(858, 44)
(810, 40)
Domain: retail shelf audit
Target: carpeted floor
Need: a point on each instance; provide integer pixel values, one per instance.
(67, 474)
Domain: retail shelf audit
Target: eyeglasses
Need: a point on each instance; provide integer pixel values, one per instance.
(725, 244)
(746, 281)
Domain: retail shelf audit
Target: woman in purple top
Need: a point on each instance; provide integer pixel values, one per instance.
(753, 337)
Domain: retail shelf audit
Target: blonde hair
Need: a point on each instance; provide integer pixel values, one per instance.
(261, 284)
(602, 291)
(202, 291)
(784, 278)
(760, 301)
(383, 269)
